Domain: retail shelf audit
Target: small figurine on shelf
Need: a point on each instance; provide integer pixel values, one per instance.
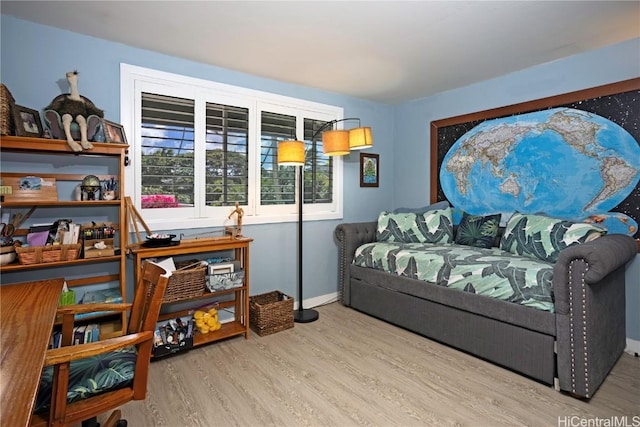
(239, 213)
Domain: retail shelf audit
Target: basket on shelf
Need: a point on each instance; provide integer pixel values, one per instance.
(186, 282)
(270, 313)
(43, 254)
(6, 106)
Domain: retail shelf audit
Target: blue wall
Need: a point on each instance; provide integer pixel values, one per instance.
(35, 58)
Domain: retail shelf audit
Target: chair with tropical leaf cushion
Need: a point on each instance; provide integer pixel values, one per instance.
(80, 382)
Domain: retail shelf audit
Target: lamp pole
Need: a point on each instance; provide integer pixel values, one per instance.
(302, 315)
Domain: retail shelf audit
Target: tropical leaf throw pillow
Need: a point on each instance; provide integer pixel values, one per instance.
(428, 227)
(543, 237)
(477, 230)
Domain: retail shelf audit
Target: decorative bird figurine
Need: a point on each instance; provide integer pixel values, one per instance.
(73, 107)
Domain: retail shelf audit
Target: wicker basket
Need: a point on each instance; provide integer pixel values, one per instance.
(6, 106)
(270, 313)
(44, 254)
(186, 282)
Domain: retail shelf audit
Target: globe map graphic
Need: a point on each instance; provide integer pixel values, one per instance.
(562, 162)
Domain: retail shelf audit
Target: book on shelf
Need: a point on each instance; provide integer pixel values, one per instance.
(109, 295)
(81, 335)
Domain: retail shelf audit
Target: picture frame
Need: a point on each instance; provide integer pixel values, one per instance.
(113, 132)
(27, 122)
(215, 268)
(369, 170)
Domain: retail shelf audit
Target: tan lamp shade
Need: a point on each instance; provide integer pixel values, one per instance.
(335, 142)
(360, 138)
(291, 153)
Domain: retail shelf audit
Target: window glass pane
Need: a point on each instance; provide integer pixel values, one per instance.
(227, 155)
(278, 183)
(167, 144)
(318, 168)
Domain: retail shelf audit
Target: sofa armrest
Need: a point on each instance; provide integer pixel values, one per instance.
(350, 236)
(589, 292)
(600, 257)
(604, 255)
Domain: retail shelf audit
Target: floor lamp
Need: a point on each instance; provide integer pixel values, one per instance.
(291, 153)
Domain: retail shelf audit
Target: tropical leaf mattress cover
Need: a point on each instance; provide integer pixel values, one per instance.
(490, 272)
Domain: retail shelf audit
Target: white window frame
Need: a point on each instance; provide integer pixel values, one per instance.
(134, 80)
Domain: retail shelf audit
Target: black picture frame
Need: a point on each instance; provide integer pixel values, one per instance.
(113, 132)
(369, 170)
(27, 122)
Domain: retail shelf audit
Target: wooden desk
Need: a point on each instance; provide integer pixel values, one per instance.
(27, 314)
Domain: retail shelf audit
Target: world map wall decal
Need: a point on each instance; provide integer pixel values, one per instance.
(574, 156)
(563, 162)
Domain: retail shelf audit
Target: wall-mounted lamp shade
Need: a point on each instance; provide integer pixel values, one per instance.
(335, 142)
(360, 138)
(291, 153)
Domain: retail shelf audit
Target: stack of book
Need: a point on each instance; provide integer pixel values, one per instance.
(81, 335)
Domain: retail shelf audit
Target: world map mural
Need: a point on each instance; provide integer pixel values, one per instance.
(568, 161)
(563, 162)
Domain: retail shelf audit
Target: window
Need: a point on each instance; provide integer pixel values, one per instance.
(198, 147)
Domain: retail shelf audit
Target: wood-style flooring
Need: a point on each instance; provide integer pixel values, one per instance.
(349, 369)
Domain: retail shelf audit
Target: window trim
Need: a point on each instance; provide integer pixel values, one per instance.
(134, 79)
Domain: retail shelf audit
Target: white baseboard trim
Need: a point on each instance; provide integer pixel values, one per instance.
(318, 301)
(633, 347)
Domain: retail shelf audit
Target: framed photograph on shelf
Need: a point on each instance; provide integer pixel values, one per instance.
(369, 170)
(113, 132)
(27, 122)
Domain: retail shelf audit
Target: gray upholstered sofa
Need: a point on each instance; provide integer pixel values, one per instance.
(572, 347)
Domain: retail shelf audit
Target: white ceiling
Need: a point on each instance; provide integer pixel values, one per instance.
(386, 51)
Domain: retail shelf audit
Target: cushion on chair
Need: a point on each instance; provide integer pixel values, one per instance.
(91, 376)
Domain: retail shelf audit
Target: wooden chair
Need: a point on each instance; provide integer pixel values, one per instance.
(70, 360)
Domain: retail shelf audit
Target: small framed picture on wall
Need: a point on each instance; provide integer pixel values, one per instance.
(369, 170)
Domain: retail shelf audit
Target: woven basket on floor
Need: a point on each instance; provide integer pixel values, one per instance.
(6, 106)
(186, 282)
(270, 313)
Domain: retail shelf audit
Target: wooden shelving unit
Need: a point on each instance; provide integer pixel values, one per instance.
(240, 303)
(35, 152)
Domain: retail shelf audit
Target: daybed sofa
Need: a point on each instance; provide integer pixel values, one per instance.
(563, 324)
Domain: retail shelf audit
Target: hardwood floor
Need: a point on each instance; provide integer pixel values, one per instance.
(349, 369)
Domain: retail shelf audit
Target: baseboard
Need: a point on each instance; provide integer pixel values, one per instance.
(633, 347)
(318, 301)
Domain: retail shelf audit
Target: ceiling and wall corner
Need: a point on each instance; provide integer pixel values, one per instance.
(384, 51)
